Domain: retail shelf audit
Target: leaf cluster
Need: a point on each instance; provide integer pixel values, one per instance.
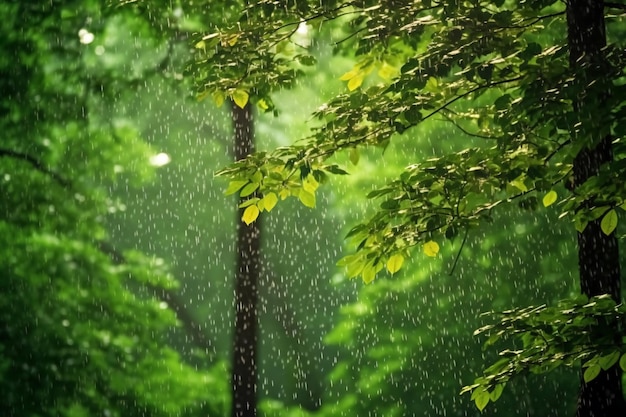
(576, 330)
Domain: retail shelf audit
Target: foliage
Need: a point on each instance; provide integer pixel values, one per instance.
(512, 87)
(83, 330)
(499, 72)
(575, 330)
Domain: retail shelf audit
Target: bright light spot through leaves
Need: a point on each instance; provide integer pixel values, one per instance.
(160, 159)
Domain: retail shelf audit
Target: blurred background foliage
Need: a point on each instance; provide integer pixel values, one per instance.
(117, 265)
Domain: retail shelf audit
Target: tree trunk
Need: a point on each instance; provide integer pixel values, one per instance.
(598, 254)
(245, 343)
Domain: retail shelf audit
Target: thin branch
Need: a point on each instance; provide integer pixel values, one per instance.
(191, 326)
(472, 91)
(36, 164)
(468, 133)
(458, 254)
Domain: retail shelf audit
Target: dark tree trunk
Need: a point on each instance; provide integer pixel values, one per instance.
(244, 361)
(598, 254)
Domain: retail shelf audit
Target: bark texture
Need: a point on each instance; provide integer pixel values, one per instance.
(598, 254)
(248, 270)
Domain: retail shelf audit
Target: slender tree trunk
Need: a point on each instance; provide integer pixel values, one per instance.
(598, 254)
(245, 343)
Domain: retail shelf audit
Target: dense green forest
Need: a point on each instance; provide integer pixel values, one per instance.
(403, 167)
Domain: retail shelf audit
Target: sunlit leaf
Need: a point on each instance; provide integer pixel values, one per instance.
(609, 222)
(269, 201)
(549, 198)
(240, 97)
(350, 74)
(431, 248)
(250, 214)
(284, 193)
(307, 198)
(519, 184)
(310, 184)
(262, 104)
(355, 82)
(394, 263)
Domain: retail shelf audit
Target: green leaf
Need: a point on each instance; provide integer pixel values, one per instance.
(549, 198)
(497, 392)
(622, 362)
(591, 372)
(609, 222)
(234, 186)
(307, 198)
(354, 156)
(607, 361)
(250, 214)
(482, 399)
(249, 189)
(580, 225)
(240, 97)
(218, 98)
(394, 263)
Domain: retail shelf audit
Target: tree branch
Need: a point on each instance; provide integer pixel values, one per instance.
(36, 164)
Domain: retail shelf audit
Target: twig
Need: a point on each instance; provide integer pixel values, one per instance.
(36, 164)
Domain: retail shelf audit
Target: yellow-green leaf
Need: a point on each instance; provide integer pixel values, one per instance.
(284, 193)
(240, 97)
(394, 263)
(549, 198)
(386, 71)
(262, 104)
(431, 248)
(609, 222)
(307, 198)
(218, 98)
(519, 184)
(250, 214)
(354, 156)
(592, 372)
(310, 184)
(356, 81)
(232, 40)
(269, 201)
(350, 74)
(201, 96)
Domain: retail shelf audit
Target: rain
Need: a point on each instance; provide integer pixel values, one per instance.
(313, 209)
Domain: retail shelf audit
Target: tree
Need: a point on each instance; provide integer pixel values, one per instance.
(82, 331)
(545, 113)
